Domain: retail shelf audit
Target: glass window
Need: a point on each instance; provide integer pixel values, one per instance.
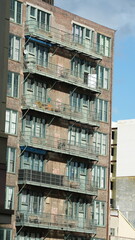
(32, 161)
(99, 213)
(16, 11)
(78, 136)
(13, 84)
(101, 109)
(11, 159)
(100, 141)
(99, 177)
(103, 77)
(104, 45)
(5, 234)
(11, 122)
(9, 198)
(14, 47)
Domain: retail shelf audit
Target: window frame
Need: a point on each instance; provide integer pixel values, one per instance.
(15, 13)
(99, 216)
(9, 160)
(5, 232)
(100, 140)
(102, 47)
(7, 200)
(97, 178)
(14, 52)
(101, 109)
(102, 80)
(11, 76)
(9, 122)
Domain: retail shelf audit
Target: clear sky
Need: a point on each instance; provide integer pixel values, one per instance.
(119, 15)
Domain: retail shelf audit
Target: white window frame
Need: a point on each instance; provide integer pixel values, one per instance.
(11, 162)
(14, 50)
(13, 76)
(78, 136)
(9, 203)
(15, 18)
(11, 124)
(104, 45)
(99, 208)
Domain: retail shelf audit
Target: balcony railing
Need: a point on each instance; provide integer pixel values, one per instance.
(40, 66)
(60, 109)
(55, 222)
(56, 181)
(62, 38)
(60, 145)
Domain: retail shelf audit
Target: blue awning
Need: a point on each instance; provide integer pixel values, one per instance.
(33, 150)
(38, 41)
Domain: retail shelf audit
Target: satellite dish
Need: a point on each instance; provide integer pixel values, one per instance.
(25, 51)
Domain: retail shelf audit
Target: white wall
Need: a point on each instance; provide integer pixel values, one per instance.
(126, 148)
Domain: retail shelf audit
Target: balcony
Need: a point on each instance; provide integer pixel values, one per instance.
(60, 145)
(61, 38)
(60, 109)
(56, 72)
(55, 181)
(55, 222)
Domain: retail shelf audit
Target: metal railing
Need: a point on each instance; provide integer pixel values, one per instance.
(56, 181)
(41, 66)
(52, 143)
(56, 222)
(61, 109)
(71, 41)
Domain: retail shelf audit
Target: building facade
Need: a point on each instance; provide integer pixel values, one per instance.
(58, 121)
(122, 168)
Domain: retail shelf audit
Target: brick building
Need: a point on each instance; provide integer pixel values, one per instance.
(58, 121)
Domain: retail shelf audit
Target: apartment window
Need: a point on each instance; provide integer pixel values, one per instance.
(80, 103)
(11, 122)
(42, 18)
(13, 84)
(103, 77)
(9, 198)
(112, 185)
(99, 213)
(11, 159)
(101, 109)
(99, 177)
(100, 141)
(103, 45)
(75, 170)
(112, 231)
(29, 236)
(14, 47)
(34, 126)
(32, 161)
(78, 136)
(37, 53)
(16, 11)
(30, 201)
(113, 135)
(83, 35)
(75, 209)
(112, 151)
(5, 234)
(112, 168)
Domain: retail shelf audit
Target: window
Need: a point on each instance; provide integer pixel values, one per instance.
(37, 53)
(5, 234)
(14, 47)
(9, 198)
(29, 236)
(99, 177)
(101, 109)
(112, 151)
(34, 126)
(11, 122)
(13, 84)
(112, 231)
(16, 11)
(11, 159)
(103, 45)
(99, 213)
(30, 201)
(75, 169)
(83, 35)
(103, 77)
(112, 168)
(112, 185)
(113, 135)
(42, 18)
(100, 141)
(75, 209)
(78, 136)
(80, 103)
(32, 161)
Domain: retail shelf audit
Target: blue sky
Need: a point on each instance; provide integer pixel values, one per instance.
(119, 15)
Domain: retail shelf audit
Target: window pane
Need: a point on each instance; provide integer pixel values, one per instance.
(19, 12)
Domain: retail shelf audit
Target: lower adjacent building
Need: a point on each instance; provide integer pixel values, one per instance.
(58, 123)
(122, 168)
